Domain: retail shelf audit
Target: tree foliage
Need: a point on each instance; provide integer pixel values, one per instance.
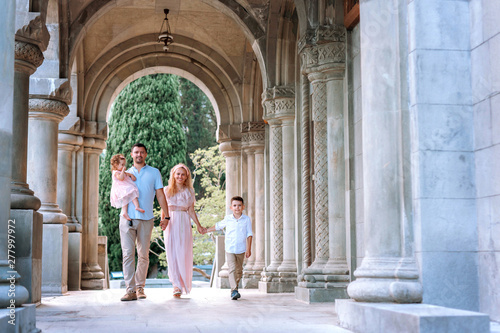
(199, 122)
(147, 111)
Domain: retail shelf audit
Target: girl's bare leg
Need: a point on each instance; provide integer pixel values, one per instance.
(137, 207)
(124, 212)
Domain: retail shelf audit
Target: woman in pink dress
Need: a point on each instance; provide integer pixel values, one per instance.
(178, 234)
(123, 188)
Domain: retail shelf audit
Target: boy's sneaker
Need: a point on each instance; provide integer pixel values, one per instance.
(235, 295)
(129, 297)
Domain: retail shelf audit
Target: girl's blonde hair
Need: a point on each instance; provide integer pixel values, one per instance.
(115, 160)
(172, 188)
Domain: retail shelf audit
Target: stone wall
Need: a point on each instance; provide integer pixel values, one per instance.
(485, 47)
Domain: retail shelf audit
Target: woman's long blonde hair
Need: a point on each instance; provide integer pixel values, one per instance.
(172, 188)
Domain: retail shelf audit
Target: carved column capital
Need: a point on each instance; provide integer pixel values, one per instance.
(28, 57)
(230, 148)
(31, 28)
(47, 108)
(279, 103)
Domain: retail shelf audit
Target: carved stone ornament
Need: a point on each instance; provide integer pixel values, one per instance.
(253, 137)
(29, 53)
(252, 126)
(34, 32)
(262, 12)
(47, 107)
(63, 92)
(279, 101)
(324, 55)
(96, 129)
(321, 35)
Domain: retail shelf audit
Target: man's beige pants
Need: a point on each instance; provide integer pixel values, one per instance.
(140, 231)
(235, 264)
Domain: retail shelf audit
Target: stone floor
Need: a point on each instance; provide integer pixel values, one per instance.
(204, 310)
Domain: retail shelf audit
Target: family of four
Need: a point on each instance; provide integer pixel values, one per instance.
(139, 185)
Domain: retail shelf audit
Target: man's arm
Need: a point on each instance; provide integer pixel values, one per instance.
(164, 207)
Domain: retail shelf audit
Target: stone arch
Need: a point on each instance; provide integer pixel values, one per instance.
(166, 70)
(250, 26)
(138, 54)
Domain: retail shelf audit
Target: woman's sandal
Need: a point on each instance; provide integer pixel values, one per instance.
(177, 292)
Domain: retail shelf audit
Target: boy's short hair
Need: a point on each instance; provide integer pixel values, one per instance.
(237, 198)
(138, 145)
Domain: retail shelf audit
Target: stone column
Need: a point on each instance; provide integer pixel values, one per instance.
(232, 152)
(280, 275)
(8, 86)
(66, 186)
(92, 273)
(31, 40)
(387, 273)
(44, 118)
(324, 63)
(252, 137)
(260, 213)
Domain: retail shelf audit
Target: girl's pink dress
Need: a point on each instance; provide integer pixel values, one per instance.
(122, 191)
(179, 239)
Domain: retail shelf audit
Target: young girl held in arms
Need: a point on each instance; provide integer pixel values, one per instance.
(123, 188)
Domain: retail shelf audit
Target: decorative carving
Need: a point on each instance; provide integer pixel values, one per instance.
(63, 92)
(262, 13)
(253, 137)
(277, 193)
(320, 170)
(253, 126)
(330, 33)
(279, 100)
(284, 105)
(43, 107)
(309, 38)
(324, 54)
(35, 32)
(306, 175)
(29, 53)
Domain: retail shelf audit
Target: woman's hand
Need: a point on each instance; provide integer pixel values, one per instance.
(201, 230)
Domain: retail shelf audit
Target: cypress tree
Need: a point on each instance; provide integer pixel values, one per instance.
(147, 111)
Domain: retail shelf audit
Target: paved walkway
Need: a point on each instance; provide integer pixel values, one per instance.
(204, 310)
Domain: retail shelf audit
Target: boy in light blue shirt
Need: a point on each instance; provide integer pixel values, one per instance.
(238, 242)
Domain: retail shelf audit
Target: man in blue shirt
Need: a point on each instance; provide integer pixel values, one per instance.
(238, 242)
(139, 229)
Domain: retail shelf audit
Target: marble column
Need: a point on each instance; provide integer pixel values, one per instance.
(388, 272)
(31, 40)
(280, 274)
(66, 186)
(260, 213)
(232, 152)
(44, 118)
(8, 86)
(326, 279)
(92, 273)
(28, 58)
(252, 137)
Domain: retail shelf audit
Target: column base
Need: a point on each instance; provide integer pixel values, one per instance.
(278, 282)
(410, 318)
(74, 260)
(320, 295)
(222, 282)
(55, 259)
(93, 284)
(29, 240)
(251, 279)
(20, 319)
(21, 197)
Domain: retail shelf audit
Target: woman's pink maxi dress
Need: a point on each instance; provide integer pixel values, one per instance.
(179, 240)
(122, 191)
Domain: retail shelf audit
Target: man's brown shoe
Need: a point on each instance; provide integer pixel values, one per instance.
(129, 297)
(140, 293)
